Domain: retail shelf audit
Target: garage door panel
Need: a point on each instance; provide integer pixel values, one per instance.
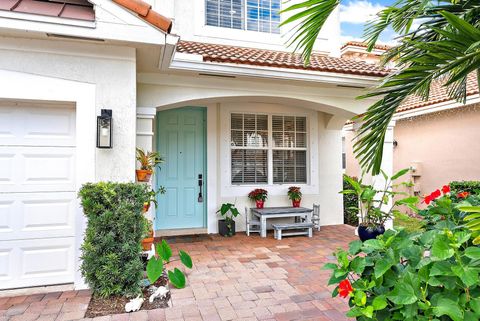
(37, 215)
(32, 125)
(37, 169)
(38, 201)
(45, 261)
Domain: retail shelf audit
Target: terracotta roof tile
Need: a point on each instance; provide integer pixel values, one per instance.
(278, 59)
(144, 11)
(79, 9)
(438, 94)
(364, 45)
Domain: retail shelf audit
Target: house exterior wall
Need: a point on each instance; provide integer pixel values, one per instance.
(223, 96)
(189, 23)
(112, 71)
(444, 146)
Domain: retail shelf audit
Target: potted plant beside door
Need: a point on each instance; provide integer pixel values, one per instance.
(295, 195)
(148, 161)
(226, 226)
(259, 196)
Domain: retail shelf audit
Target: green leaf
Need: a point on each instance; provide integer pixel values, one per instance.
(442, 268)
(468, 275)
(186, 259)
(342, 259)
(448, 307)
(379, 303)
(402, 293)
(154, 269)
(441, 248)
(177, 278)
(475, 305)
(400, 173)
(373, 244)
(360, 298)
(473, 252)
(381, 267)
(358, 264)
(368, 311)
(330, 266)
(354, 247)
(164, 250)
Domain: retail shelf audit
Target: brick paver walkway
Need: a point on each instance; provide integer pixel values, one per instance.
(238, 278)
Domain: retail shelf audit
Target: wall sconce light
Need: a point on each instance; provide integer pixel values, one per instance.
(104, 129)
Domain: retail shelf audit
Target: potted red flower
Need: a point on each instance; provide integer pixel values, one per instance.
(295, 195)
(259, 196)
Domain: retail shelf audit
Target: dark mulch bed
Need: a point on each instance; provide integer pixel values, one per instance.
(115, 305)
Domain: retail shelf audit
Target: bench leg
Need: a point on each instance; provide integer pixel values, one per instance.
(310, 232)
(279, 235)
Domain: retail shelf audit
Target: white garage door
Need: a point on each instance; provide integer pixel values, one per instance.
(37, 194)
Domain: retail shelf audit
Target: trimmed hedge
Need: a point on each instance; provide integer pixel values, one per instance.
(350, 216)
(111, 249)
(473, 187)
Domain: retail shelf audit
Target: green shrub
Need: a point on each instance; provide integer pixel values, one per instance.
(350, 205)
(111, 262)
(472, 187)
(426, 275)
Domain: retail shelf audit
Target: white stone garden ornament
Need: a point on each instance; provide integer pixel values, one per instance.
(161, 292)
(134, 304)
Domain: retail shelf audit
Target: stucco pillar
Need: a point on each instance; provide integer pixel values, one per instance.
(387, 167)
(145, 137)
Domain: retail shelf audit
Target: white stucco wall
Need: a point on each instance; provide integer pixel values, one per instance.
(111, 69)
(221, 97)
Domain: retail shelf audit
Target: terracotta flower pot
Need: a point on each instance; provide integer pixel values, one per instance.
(143, 175)
(259, 203)
(147, 243)
(296, 203)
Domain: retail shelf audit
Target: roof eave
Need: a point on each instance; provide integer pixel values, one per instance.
(230, 69)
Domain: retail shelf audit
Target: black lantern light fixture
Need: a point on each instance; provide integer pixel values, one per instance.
(104, 129)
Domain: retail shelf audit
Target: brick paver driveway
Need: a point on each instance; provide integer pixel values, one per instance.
(238, 278)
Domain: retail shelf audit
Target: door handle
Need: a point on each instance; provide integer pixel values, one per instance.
(200, 185)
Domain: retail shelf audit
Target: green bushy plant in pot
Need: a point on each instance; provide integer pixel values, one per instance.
(422, 275)
(226, 226)
(148, 161)
(374, 205)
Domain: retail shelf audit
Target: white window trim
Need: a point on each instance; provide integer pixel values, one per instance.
(227, 188)
(203, 30)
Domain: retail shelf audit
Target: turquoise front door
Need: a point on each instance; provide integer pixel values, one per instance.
(181, 142)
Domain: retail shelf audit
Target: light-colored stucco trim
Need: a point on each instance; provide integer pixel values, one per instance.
(184, 62)
(24, 86)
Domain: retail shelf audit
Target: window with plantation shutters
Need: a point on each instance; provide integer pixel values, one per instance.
(268, 149)
(289, 151)
(249, 148)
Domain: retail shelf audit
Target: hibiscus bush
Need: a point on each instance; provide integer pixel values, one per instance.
(429, 275)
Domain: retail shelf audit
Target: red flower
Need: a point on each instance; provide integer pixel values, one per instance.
(427, 199)
(463, 194)
(446, 189)
(436, 194)
(345, 288)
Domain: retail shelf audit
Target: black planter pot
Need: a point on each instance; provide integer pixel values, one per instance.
(368, 233)
(223, 228)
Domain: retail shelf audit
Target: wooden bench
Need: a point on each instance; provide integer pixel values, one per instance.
(301, 229)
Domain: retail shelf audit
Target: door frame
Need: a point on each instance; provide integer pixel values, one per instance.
(205, 167)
